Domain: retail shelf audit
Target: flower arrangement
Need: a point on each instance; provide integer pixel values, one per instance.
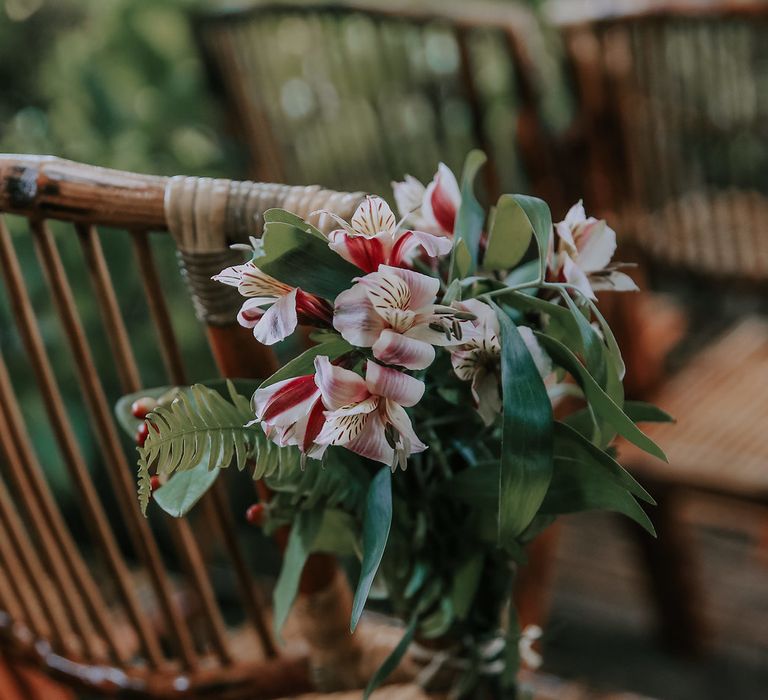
(419, 431)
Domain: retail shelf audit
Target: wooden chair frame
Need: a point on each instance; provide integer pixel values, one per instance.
(68, 628)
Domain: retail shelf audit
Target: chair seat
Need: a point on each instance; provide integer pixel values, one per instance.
(720, 440)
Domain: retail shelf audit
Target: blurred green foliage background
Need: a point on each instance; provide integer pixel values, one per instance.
(110, 82)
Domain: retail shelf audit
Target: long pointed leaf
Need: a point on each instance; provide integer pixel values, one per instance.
(391, 662)
(303, 533)
(376, 524)
(469, 218)
(526, 454)
(602, 404)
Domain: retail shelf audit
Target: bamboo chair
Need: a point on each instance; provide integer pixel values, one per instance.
(357, 94)
(670, 99)
(120, 614)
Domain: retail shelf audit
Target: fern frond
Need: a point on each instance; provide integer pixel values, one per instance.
(202, 427)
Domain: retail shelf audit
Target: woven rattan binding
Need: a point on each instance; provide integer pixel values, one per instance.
(206, 216)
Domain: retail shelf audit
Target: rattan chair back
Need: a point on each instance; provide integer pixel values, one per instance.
(108, 599)
(673, 104)
(358, 94)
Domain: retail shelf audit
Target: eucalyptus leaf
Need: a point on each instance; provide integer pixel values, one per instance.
(508, 237)
(183, 490)
(376, 524)
(526, 453)
(300, 542)
(469, 220)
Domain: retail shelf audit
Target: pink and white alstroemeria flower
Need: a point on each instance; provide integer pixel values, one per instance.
(373, 237)
(432, 208)
(393, 311)
(583, 252)
(367, 416)
(288, 306)
(291, 412)
(478, 358)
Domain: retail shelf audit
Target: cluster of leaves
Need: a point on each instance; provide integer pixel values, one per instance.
(442, 536)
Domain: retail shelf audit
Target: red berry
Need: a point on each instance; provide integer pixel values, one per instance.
(255, 514)
(154, 482)
(141, 407)
(142, 433)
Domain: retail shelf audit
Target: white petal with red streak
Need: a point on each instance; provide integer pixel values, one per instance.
(355, 318)
(393, 384)
(401, 421)
(397, 349)
(278, 322)
(365, 252)
(434, 246)
(442, 199)
(251, 312)
(372, 441)
(293, 410)
(339, 386)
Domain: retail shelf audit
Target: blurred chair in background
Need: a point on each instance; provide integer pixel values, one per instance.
(148, 624)
(356, 95)
(673, 109)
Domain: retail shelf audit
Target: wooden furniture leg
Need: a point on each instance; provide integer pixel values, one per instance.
(672, 575)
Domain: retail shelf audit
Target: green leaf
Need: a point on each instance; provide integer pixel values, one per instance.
(526, 453)
(183, 490)
(641, 412)
(540, 220)
(337, 534)
(463, 259)
(571, 443)
(469, 218)
(610, 339)
(391, 662)
(300, 542)
(603, 405)
(165, 394)
(508, 237)
(305, 363)
(453, 293)
(299, 258)
(578, 486)
(594, 350)
(376, 524)
(200, 427)
(276, 215)
(465, 583)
